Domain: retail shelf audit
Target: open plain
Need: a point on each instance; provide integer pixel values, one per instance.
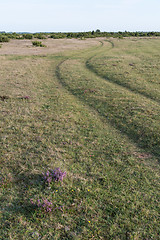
(91, 108)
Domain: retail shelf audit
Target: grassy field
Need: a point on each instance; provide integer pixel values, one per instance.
(91, 110)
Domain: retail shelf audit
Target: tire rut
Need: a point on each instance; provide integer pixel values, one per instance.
(92, 69)
(101, 115)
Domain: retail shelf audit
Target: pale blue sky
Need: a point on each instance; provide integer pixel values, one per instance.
(80, 15)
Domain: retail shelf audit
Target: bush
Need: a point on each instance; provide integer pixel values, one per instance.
(39, 36)
(28, 36)
(4, 39)
(38, 44)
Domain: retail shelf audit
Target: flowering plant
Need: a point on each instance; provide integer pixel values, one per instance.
(43, 204)
(55, 175)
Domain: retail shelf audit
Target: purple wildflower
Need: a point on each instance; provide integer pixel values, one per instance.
(31, 200)
(26, 97)
(38, 203)
(55, 175)
(58, 175)
(47, 206)
(44, 204)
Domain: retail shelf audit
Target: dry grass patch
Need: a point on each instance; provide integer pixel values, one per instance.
(24, 47)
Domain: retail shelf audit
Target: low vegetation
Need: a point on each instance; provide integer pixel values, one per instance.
(81, 35)
(79, 144)
(38, 44)
(4, 39)
(27, 36)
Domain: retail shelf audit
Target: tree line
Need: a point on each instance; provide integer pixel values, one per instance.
(5, 37)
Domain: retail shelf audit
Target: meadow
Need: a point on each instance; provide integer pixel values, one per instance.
(91, 109)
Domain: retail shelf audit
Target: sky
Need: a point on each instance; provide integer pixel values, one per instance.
(79, 15)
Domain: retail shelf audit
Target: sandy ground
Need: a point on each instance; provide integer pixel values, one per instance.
(24, 47)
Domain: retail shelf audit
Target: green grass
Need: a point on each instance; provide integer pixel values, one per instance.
(133, 65)
(104, 133)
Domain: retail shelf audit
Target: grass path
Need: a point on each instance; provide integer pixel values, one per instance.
(83, 85)
(123, 108)
(128, 69)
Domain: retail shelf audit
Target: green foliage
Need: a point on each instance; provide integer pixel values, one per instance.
(14, 35)
(40, 36)
(28, 36)
(89, 34)
(98, 31)
(58, 35)
(38, 44)
(4, 38)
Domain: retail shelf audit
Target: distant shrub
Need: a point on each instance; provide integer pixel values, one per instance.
(82, 38)
(19, 37)
(38, 44)
(4, 39)
(39, 36)
(58, 36)
(27, 36)
(98, 31)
